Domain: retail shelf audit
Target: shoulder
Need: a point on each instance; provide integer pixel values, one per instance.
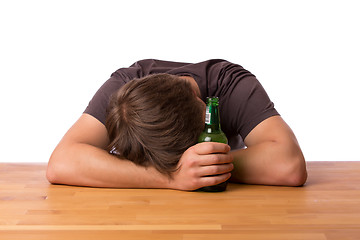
(223, 76)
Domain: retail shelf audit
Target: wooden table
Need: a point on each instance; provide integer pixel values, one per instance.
(327, 207)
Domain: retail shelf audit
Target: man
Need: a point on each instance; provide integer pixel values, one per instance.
(264, 150)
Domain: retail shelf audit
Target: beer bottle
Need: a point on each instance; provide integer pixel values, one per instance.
(212, 133)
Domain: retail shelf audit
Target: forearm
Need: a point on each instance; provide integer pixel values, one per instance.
(86, 165)
(269, 163)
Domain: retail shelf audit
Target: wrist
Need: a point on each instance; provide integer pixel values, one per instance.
(158, 179)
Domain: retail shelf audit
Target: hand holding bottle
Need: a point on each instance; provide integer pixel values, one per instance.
(213, 133)
(204, 164)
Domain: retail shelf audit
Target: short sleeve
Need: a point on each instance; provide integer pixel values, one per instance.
(98, 105)
(244, 102)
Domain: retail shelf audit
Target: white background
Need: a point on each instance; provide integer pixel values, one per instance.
(54, 55)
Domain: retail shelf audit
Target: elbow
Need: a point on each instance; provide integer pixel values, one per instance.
(297, 178)
(51, 174)
(295, 173)
(53, 171)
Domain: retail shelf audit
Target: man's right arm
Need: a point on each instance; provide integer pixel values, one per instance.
(80, 159)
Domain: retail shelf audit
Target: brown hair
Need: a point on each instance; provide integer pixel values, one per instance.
(153, 120)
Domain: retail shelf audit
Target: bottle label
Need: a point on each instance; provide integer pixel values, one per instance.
(207, 116)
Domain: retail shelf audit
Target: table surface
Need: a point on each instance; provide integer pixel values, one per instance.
(327, 207)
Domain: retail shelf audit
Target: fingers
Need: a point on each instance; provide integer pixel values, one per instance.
(214, 170)
(211, 147)
(204, 164)
(213, 180)
(212, 159)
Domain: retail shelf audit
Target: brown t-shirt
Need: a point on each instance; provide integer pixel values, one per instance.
(243, 101)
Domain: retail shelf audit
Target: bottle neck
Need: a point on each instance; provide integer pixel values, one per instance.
(212, 118)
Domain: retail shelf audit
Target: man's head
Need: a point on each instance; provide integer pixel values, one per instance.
(153, 120)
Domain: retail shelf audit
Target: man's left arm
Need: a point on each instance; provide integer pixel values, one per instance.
(272, 157)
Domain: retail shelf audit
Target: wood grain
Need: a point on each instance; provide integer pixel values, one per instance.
(327, 207)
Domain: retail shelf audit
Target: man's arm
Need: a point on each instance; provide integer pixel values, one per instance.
(80, 159)
(272, 156)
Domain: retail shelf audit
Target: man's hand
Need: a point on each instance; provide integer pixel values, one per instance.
(204, 164)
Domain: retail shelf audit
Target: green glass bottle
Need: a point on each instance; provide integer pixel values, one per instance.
(212, 133)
